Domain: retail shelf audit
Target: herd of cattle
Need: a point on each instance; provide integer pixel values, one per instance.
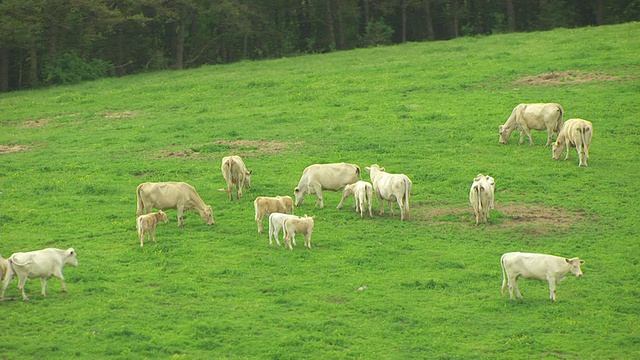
(334, 177)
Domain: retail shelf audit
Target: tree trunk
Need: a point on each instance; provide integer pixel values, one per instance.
(180, 43)
(366, 12)
(342, 44)
(33, 64)
(454, 20)
(4, 69)
(599, 15)
(428, 21)
(403, 10)
(330, 27)
(511, 15)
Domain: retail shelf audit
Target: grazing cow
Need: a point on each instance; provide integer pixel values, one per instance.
(172, 195)
(38, 264)
(4, 265)
(543, 267)
(391, 187)
(276, 221)
(526, 117)
(362, 192)
(301, 225)
(481, 197)
(235, 173)
(318, 177)
(146, 225)
(575, 132)
(264, 205)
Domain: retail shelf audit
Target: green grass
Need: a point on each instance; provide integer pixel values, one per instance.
(429, 110)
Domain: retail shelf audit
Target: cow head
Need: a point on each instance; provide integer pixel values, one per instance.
(299, 194)
(574, 266)
(162, 216)
(556, 150)
(207, 215)
(504, 134)
(72, 257)
(247, 179)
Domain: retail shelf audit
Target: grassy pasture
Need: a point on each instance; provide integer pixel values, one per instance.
(71, 158)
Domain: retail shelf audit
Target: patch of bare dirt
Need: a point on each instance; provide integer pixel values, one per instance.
(34, 124)
(179, 154)
(121, 115)
(256, 146)
(12, 149)
(535, 219)
(229, 147)
(564, 78)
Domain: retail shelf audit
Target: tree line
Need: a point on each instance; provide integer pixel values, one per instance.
(45, 42)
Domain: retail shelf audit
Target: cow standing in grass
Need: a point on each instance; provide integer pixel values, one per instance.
(264, 205)
(543, 267)
(527, 117)
(318, 177)
(362, 192)
(235, 173)
(391, 187)
(38, 264)
(575, 132)
(481, 197)
(172, 195)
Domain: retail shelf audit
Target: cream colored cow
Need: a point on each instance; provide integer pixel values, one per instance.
(527, 117)
(235, 173)
(172, 195)
(264, 206)
(362, 192)
(481, 197)
(318, 177)
(391, 187)
(146, 225)
(577, 133)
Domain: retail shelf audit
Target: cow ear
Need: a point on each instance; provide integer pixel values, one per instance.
(367, 168)
(567, 260)
(382, 169)
(581, 262)
(296, 190)
(249, 172)
(501, 127)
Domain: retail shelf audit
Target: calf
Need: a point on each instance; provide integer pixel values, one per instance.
(300, 225)
(538, 267)
(235, 173)
(146, 225)
(172, 195)
(481, 197)
(362, 192)
(264, 205)
(575, 132)
(276, 221)
(38, 264)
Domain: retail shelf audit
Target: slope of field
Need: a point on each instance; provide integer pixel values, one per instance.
(71, 158)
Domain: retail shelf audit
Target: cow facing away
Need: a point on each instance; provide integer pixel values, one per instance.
(527, 117)
(481, 197)
(265, 205)
(301, 225)
(575, 132)
(146, 225)
(362, 192)
(391, 187)
(172, 195)
(235, 173)
(38, 264)
(318, 177)
(4, 265)
(276, 222)
(551, 268)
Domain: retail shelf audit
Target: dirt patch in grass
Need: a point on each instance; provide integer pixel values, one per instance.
(228, 147)
(535, 219)
(120, 115)
(35, 124)
(564, 78)
(12, 149)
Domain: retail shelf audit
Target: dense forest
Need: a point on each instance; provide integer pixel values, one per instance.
(45, 42)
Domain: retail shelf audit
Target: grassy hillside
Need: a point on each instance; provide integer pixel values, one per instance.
(71, 158)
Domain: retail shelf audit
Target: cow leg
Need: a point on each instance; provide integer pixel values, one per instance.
(391, 207)
(259, 221)
(7, 279)
(43, 282)
(230, 191)
(517, 289)
(521, 138)
(239, 187)
(568, 147)
(142, 236)
(549, 136)
(552, 288)
(180, 212)
(152, 231)
(370, 205)
(307, 240)
(339, 207)
(402, 210)
(21, 283)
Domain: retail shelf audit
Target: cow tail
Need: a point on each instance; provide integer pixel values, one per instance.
(255, 206)
(358, 173)
(140, 204)
(504, 275)
(407, 194)
(479, 198)
(139, 226)
(560, 121)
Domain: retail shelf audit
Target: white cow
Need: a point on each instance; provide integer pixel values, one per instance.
(575, 132)
(362, 192)
(318, 177)
(526, 117)
(391, 187)
(301, 225)
(265, 205)
(146, 225)
(172, 195)
(276, 221)
(38, 264)
(543, 267)
(4, 265)
(481, 197)
(235, 173)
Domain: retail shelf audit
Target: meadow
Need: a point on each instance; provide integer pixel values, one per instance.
(71, 158)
